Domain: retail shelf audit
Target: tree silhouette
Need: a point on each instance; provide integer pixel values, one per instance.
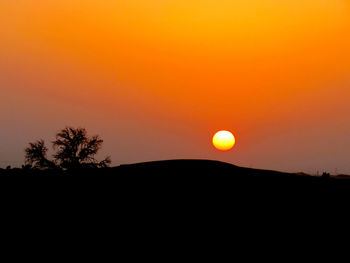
(74, 149)
(36, 156)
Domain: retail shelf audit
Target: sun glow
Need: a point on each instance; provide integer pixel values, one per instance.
(223, 140)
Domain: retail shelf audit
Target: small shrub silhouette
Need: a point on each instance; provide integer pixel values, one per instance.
(36, 156)
(74, 149)
(326, 175)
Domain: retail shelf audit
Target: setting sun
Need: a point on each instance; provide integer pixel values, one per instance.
(223, 140)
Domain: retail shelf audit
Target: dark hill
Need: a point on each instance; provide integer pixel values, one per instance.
(215, 171)
(165, 182)
(186, 170)
(188, 167)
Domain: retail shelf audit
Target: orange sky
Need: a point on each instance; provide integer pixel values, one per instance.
(157, 78)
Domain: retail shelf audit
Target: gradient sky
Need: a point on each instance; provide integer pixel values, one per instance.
(157, 78)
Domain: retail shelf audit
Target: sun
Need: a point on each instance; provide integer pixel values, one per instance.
(223, 140)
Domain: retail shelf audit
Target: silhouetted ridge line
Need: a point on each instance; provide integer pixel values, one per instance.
(196, 166)
(174, 173)
(181, 163)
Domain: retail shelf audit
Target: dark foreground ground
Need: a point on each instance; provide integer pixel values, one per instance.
(179, 206)
(172, 188)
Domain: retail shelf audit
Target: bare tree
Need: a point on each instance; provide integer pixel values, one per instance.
(76, 150)
(35, 156)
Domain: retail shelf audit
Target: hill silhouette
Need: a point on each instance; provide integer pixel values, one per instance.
(194, 166)
(179, 169)
(169, 183)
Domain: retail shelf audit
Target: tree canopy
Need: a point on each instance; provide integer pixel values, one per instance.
(74, 149)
